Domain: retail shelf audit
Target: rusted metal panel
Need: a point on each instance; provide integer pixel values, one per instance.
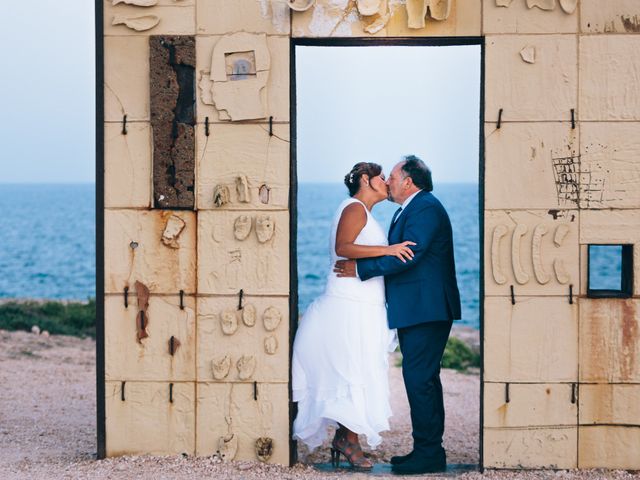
(172, 91)
(610, 404)
(609, 340)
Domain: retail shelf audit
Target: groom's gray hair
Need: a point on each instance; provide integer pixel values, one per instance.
(418, 171)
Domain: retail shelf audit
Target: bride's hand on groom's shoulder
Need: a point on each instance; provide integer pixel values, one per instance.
(401, 251)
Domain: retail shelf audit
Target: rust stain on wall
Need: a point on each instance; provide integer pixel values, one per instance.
(172, 91)
(629, 339)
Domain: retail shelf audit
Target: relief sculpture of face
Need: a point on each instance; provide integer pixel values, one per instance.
(271, 318)
(229, 322)
(265, 228)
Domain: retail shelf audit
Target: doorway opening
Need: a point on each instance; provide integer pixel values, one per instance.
(377, 100)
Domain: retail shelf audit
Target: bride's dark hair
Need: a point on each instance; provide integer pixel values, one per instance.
(353, 179)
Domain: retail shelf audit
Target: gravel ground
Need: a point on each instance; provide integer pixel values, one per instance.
(47, 425)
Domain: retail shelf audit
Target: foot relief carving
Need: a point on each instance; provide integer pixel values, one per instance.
(242, 227)
(229, 322)
(265, 228)
(271, 318)
(220, 367)
(271, 345)
(249, 315)
(246, 366)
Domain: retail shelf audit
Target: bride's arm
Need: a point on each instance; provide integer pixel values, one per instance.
(352, 221)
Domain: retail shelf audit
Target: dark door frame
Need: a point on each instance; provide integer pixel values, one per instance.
(293, 187)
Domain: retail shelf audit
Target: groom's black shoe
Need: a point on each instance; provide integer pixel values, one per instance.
(397, 460)
(418, 464)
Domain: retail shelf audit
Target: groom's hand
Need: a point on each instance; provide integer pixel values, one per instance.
(345, 268)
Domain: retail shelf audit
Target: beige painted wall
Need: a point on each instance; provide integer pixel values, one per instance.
(572, 370)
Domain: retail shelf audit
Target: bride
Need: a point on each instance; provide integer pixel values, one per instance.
(341, 347)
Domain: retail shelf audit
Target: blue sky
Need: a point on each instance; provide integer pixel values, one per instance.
(375, 104)
(47, 91)
(354, 104)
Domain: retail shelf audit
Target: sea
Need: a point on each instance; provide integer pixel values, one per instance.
(47, 247)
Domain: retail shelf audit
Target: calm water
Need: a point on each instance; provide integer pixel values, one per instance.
(48, 242)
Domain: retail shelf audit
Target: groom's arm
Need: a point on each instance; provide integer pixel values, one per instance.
(421, 227)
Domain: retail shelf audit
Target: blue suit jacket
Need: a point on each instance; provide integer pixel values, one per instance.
(423, 289)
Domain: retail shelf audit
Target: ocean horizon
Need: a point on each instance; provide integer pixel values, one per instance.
(49, 248)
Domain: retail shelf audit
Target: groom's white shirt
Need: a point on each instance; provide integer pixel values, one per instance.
(405, 204)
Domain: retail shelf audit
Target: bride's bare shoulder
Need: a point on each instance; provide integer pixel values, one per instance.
(354, 213)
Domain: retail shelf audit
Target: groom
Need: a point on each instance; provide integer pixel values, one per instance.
(422, 302)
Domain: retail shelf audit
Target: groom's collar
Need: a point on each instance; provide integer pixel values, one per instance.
(408, 200)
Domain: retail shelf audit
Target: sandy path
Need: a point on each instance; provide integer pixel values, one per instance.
(47, 424)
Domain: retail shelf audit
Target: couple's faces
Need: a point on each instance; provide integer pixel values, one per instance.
(395, 183)
(379, 185)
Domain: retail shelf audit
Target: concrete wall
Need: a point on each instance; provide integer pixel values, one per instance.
(570, 370)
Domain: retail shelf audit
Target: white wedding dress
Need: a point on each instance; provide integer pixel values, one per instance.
(340, 353)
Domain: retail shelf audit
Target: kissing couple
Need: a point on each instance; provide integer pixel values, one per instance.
(379, 284)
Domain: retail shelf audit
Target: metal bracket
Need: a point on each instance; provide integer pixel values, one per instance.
(271, 126)
(255, 391)
(240, 298)
(206, 126)
(181, 299)
(122, 391)
(499, 119)
(574, 393)
(124, 125)
(507, 399)
(571, 294)
(126, 297)
(172, 345)
(513, 295)
(573, 119)
(171, 393)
